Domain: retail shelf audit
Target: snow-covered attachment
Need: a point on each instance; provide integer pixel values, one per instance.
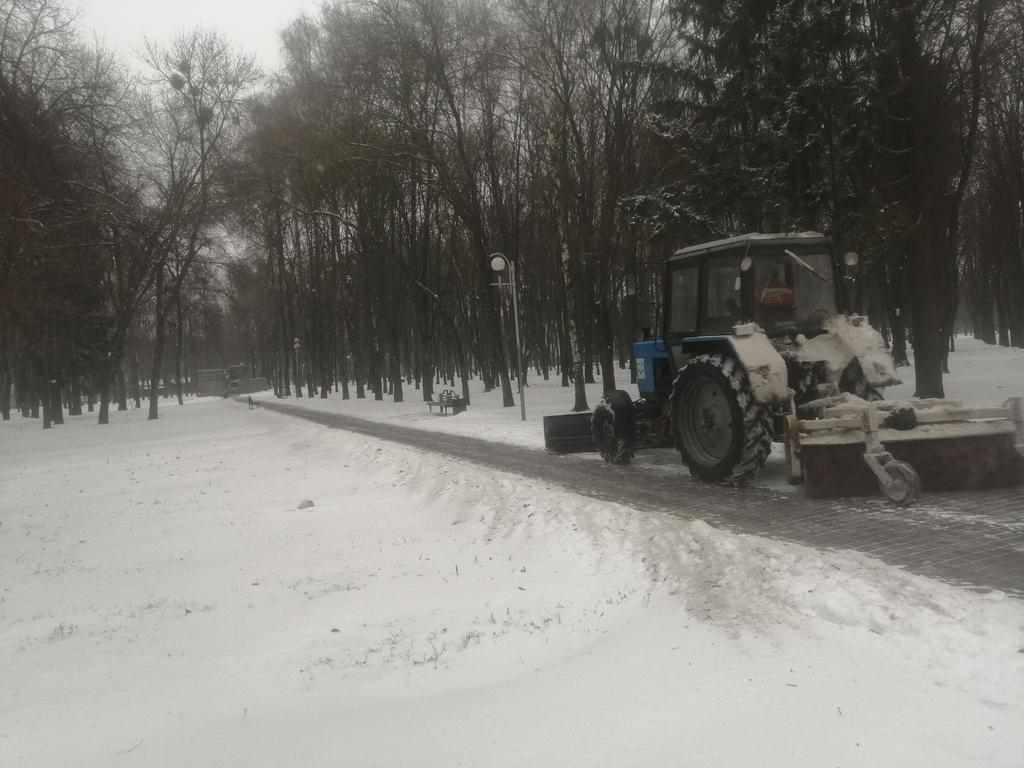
(850, 446)
(847, 339)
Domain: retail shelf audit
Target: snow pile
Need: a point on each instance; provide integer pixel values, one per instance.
(766, 370)
(848, 339)
(168, 599)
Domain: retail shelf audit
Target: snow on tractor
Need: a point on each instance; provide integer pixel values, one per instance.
(754, 350)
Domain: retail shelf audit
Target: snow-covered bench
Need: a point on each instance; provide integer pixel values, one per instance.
(447, 403)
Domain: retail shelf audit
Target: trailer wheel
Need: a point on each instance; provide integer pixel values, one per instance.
(905, 486)
(612, 427)
(721, 431)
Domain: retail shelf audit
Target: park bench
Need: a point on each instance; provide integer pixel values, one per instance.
(447, 403)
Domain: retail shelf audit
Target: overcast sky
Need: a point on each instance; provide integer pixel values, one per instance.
(252, 25)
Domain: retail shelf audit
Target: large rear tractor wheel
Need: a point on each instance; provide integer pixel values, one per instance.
(722, 433)
(612, 427)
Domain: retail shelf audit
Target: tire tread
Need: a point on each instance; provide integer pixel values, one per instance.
(757, 426)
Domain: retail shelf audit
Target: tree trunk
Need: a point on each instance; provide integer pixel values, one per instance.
(564, 346)
(376, 381)
(56, 387)
(360, 382)
(133, 374)
(985, 320)
(106, 375)
(158, 346)
(277, 236)
(75, 396)
(899, 338)
(122, 390)
(23, 389)
(343, 374)
(5, 392)
(179, 347)
(6, 379)
(606, 333)
(426, 371)
(580, 376)
(580, 393)
(396, 370)
(46, 391)
(464, 375)
(607, 350)
(929, 334)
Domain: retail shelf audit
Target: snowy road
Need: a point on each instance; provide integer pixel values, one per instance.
(975, 540)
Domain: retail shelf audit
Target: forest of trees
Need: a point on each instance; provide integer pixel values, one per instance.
(330, 224)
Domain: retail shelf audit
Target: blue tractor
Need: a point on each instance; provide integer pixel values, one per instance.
(751, 331)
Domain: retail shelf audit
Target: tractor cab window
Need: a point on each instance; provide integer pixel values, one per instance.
(793, 290)
(724, 294)
(683, 300)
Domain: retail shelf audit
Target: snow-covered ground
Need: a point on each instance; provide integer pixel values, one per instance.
(978, 373)
(167, 599)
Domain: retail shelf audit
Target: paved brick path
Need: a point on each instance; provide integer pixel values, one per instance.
(975, 540)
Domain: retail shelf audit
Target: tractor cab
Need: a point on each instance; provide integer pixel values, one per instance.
(782, 282)
(782, 285)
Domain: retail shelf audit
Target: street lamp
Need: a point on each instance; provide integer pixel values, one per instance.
(499, 264)
(851, 259)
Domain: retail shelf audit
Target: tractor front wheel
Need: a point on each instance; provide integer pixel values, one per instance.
(722, 433)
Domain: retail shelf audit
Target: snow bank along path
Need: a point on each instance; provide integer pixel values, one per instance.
(971, 539)
(164, 600)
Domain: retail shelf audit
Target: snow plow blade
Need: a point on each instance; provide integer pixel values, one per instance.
(855, 448)
(569, 433)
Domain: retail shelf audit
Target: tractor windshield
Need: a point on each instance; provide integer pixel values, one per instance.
(793, 291)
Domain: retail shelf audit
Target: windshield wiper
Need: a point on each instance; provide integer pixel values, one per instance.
(805, 265)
